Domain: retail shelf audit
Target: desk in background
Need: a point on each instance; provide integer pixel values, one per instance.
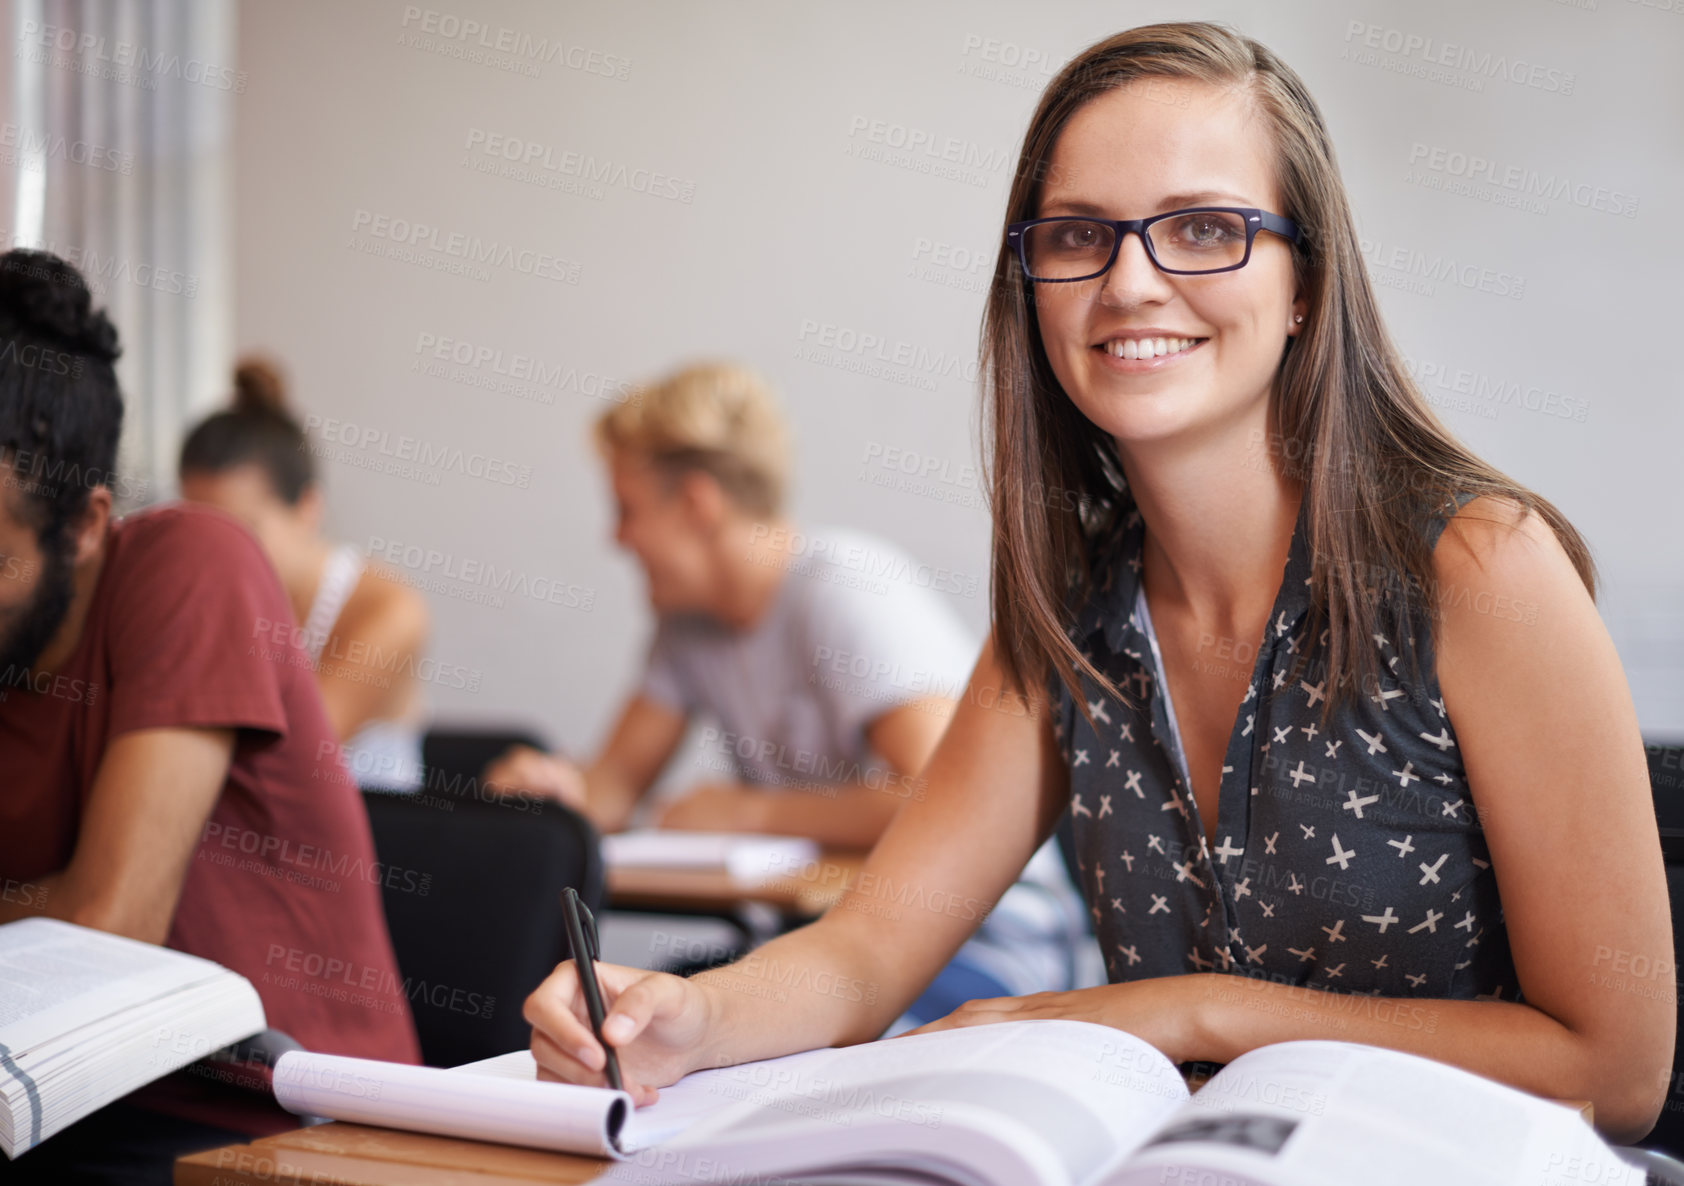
(802, 895)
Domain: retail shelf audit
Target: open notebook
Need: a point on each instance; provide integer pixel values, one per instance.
(1050, 1103)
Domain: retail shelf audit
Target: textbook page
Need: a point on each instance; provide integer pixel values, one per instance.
(56, 977)
(87, 1017)
(1043, 1101)
(1319, 1113)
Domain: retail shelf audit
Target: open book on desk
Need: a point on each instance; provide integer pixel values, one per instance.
(87, 1017)
(1048, 1103)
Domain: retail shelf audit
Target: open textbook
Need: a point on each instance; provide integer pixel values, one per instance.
(1050, 1103)
(87, 1017)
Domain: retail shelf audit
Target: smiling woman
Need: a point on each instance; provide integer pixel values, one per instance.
(1367, 814)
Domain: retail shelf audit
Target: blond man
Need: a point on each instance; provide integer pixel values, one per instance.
(823, 662)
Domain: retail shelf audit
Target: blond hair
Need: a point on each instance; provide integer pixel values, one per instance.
(716, 418)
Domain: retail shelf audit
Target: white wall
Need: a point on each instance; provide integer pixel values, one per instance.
(751, 113)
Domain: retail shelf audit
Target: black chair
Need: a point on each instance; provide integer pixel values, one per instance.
(454, 756)
(1666, 779)
(472, 888)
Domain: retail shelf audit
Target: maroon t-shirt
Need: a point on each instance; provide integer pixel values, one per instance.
(189, 627)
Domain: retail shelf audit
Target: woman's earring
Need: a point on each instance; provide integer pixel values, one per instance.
(1298, 319)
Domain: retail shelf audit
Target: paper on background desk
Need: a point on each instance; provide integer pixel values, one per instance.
(748, 858)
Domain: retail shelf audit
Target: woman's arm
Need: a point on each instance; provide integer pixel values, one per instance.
(368, 666)
(994, 789)
(1556, 768)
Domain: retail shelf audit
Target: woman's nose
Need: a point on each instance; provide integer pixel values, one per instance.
(1133, 277)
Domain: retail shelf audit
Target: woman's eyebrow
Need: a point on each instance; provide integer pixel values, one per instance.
(1201, 198)
(1168, 202)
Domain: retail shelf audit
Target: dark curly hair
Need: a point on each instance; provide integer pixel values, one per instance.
(61, 411)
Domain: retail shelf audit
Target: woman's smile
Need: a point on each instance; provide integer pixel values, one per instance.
(1131, 354)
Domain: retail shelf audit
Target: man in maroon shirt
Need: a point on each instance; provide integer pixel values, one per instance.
(167, 771)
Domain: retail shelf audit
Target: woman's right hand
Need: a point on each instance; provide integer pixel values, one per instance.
(655, 1022)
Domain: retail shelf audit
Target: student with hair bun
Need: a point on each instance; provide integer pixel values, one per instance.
(363, 628)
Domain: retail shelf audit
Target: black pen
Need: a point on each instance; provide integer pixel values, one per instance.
(581, 937)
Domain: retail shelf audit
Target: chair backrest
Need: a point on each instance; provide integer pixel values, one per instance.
(456, 755)
(1666, 780)
(472, 891)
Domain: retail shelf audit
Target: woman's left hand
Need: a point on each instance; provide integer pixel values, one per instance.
(1162, 1011)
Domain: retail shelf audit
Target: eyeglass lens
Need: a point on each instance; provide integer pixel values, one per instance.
(1201, 240)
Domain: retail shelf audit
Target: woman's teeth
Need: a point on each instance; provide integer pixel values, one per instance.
(1149, 347)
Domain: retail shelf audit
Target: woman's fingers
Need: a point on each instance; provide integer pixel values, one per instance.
(558, 1065)
(651, 1006)
(556, 1011)
(634, 1008)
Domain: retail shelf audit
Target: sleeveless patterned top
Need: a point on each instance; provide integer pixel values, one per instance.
(1349, 857)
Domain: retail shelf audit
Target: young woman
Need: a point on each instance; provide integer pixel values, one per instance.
(365, 630)
(1348, 749)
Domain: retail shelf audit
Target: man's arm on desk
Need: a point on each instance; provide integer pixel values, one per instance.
(153, 792)
(842, 815)
(642, 742)
(847, 815)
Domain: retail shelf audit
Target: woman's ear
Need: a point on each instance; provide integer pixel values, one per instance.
(309, 509)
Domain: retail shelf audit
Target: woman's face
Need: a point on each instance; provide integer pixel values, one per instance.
(244, 492)
(1131, 153)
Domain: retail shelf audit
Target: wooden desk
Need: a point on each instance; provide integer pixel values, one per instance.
(806, 894)
(356, 1155)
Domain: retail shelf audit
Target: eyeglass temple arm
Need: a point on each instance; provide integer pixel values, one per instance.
(1283, 227)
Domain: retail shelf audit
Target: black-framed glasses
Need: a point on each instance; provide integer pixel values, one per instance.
(1191, 242)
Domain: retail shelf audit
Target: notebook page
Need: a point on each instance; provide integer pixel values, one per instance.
(679, 1106)
(560, 1116)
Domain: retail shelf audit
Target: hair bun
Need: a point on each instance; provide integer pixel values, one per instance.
(39, 291)
(258, 387)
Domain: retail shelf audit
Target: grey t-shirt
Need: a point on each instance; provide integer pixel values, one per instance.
(857, 628)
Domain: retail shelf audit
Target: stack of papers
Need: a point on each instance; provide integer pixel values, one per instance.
(749, 858)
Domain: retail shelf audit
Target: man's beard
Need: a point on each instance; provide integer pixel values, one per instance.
(42, 615)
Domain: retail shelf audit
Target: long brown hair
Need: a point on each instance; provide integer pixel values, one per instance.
(1375, 460)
